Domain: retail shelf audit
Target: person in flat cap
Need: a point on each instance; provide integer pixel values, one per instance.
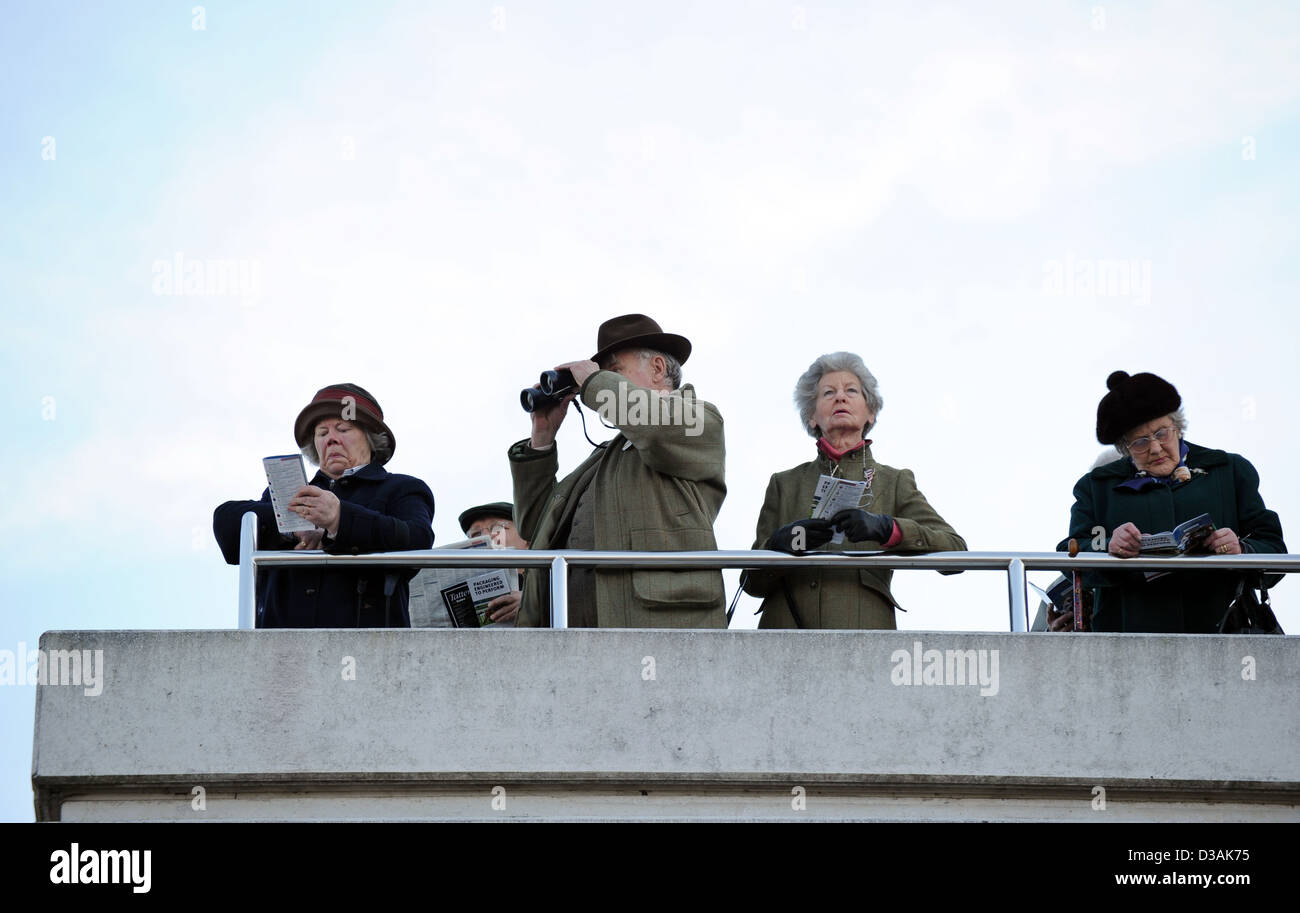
(497, 522)
(357, 506)
(656, 486)
(1160, 481)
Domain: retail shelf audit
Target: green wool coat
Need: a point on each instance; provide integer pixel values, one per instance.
(1182, 602)
(851, 598)
(659, 485)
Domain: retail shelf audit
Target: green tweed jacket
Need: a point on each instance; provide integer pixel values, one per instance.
(658, 486)
(844, 599)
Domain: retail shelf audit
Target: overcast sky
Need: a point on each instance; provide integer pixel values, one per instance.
(438, 200)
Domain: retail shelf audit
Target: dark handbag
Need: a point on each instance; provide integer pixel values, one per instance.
(1247, 614)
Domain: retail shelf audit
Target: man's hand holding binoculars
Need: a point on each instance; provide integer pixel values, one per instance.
(548, 418)
(580, 370)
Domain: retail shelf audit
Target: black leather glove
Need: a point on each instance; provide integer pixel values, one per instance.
(860, 526)
(805, 534)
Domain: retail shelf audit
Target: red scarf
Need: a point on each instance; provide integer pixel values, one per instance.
(831, 453)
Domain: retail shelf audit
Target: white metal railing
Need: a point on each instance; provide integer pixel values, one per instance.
(1013, 564)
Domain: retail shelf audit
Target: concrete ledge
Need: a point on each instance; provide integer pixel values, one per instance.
(447, 724)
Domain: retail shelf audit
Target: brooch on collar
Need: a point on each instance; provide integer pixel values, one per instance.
(1181, 474)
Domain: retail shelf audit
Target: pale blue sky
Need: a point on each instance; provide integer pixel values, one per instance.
(441, 199)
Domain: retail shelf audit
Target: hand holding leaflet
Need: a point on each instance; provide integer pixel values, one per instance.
(1188, 536)
(467, 601)
(1184, 537)
(284, 476)
(860, 525)
(833, 495)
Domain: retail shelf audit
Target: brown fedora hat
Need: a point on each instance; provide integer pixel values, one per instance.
(637, 331)
(329, 402)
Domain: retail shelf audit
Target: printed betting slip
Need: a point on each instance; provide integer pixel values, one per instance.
(284, 476)
(834, 495)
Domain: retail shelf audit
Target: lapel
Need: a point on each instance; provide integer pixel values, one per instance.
(564, 500)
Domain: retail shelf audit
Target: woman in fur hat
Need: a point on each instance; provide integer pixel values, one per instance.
(1161, 481)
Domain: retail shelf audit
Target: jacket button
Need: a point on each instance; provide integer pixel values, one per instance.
(311, 591)
(813, 585)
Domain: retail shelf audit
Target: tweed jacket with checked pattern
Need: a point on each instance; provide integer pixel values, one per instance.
(658, 486)
(852, 598)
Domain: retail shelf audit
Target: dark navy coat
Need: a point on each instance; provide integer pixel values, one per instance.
(1225, 486)
(378, 512)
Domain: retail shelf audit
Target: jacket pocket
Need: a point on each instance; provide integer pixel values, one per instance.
(676, 589)
(877, 583)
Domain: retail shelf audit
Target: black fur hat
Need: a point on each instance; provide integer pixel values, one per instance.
(1131, 401)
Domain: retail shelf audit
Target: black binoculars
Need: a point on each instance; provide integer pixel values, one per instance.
(553, 387)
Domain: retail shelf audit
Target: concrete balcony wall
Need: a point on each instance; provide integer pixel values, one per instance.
(747, 725)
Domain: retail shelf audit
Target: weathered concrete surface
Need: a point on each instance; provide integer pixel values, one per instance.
(670, 724)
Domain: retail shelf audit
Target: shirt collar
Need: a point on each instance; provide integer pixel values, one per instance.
(368, 471)
(828, 451)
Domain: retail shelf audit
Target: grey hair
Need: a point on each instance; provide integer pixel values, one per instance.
(673, 367)
(805, 389)
(380, 449)
(1180, 424)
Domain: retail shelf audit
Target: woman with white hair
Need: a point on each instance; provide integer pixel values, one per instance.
(838, 401)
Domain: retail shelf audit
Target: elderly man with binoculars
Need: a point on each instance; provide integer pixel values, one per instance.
(656, 486)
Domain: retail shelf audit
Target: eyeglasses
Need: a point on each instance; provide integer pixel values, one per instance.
(1163, 437)
(496, 529)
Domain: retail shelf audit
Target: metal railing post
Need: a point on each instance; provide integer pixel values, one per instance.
(1016, 587)
(247, 573)
(559, 593)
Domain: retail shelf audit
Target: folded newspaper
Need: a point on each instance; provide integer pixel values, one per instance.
(466, 592)
(467, 601)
